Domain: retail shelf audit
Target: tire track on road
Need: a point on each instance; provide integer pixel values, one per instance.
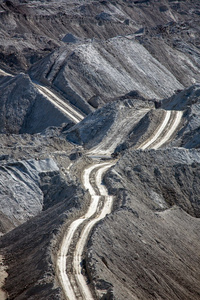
(67, 240)
(164, 131)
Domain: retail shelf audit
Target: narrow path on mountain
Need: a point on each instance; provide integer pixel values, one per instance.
(74, 284)
(68, 238)
(72, 113)
(164, 132)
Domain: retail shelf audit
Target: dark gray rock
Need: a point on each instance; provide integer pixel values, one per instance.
(69, 38)
(23, 109)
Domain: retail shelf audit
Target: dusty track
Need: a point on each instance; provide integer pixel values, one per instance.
(164, 131)
(78, 280)
(75, 285)
(73, 114)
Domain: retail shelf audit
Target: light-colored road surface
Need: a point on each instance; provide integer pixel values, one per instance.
(75, 285)
(108, 201)
(72, 113)
(67, 240)
(171, 130)
(3, 73)
(159, 131)
(3, 276)
(164, 131)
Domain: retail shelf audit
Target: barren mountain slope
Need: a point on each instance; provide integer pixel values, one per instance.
(149, 247)
(32, 29)
(189, 100)
(187, 134)
(107, 69)
(111, 123)
(21, 196)
(30, 249)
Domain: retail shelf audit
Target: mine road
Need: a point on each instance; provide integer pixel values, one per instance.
(72, 113)
(74, 283)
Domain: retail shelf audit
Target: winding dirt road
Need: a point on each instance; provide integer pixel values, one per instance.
(79, 285)
(74, 282)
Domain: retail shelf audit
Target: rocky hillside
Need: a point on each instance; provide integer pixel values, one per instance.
(154, 230)
(105, 72)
